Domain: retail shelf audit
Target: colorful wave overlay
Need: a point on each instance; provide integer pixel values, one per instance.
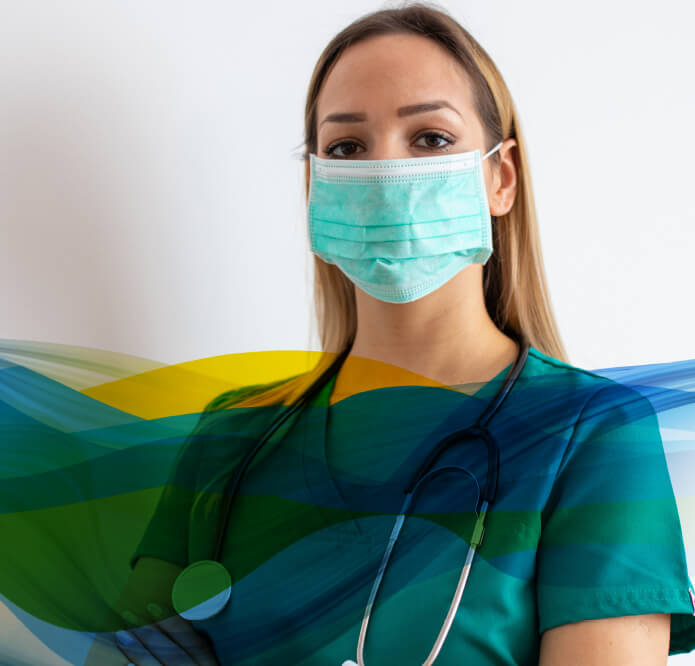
(90, 439)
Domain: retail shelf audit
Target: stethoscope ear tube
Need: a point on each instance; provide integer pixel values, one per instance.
(489, 492)
(479, 430)
(497, 401)
(203, 588)
(233, 484)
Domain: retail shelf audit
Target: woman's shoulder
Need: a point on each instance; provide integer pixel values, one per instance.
(543, 367)
(572, 389)
(544, 364)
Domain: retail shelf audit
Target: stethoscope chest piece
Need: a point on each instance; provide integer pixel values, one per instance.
(201, 590)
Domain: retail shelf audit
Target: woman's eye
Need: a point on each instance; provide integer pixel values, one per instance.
(331, 149)
(436, 136)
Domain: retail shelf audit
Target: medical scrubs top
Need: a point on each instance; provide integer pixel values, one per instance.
(584, 524)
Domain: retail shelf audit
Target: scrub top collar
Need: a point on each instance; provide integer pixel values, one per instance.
(321, 484)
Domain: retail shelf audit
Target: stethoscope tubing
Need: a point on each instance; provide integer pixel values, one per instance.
(486, 496)
(481, 422)
(233, 482)
(478, 430)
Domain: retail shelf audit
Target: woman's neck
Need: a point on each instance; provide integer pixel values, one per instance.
(447, 336)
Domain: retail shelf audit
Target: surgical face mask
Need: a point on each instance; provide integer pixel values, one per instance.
(399, 229)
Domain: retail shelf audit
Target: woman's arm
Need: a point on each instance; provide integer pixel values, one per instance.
(612, 575)
(156, 630)
(638, 640)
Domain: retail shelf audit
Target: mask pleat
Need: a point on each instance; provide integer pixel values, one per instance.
(400, 228)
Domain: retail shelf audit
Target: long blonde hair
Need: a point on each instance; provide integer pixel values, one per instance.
(514, 282)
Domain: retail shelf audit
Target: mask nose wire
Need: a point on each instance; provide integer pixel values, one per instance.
(493, 150)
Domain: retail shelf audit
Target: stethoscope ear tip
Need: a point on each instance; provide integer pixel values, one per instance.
(349, 662)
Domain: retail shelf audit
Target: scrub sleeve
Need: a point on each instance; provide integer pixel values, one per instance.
(167, 535)
(611, 542)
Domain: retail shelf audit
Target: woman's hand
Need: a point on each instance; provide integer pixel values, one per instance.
(172, 642)
(156, 635)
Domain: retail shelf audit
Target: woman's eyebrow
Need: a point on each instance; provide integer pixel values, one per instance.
(359, 116)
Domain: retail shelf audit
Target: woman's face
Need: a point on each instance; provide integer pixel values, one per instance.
(404, 96)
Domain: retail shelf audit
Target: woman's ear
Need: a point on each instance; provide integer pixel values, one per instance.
(504, 180)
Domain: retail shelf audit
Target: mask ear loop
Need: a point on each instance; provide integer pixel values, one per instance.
(493, 150)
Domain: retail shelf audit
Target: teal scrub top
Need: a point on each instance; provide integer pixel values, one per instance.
(584, 526)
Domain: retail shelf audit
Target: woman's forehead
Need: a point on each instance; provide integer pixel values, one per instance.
(383, 73)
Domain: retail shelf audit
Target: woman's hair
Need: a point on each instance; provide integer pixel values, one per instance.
(514, 282)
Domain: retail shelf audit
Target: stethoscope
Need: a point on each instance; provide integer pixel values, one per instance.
(203, 588)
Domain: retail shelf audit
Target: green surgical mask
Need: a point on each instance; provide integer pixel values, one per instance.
(399, 229)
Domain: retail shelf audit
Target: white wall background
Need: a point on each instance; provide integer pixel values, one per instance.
(149, 203)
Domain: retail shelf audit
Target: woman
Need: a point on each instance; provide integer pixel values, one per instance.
(407, 84)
